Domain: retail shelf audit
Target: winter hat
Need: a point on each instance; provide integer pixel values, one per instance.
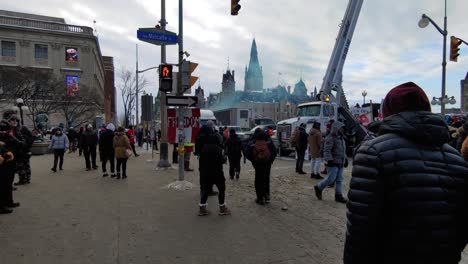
(13, 117)
(8, 113)
(89, 126)
(407, 97)
(110, 126)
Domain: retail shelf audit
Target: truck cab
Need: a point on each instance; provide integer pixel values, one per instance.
(322, 112)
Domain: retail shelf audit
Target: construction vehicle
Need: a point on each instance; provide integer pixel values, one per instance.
(331, 102)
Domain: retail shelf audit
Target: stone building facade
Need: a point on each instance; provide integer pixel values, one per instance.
(70, 52)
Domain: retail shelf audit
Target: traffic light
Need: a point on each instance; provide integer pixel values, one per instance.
(165, 78)
(454, 43)
(235, 7)
(187, 79)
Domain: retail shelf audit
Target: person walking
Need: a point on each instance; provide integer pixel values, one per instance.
(315, 145)
(131, 137)
(261, 152)
(23, 165)
(301, 147)
(234, 152)
(88, 143)
(78, 137)
(408, 194)
(72, 137)
(121, 145)
(211, 173)
(334, 154)
(106, 150)
(200, 140)
(59, 144)
(7, 167)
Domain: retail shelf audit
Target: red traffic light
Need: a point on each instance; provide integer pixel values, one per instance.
(454, 43)
(165, 71)
(235, 7)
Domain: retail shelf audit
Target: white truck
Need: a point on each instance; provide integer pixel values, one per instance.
(331, 102)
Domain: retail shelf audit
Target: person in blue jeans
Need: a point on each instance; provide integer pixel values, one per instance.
(334, 154)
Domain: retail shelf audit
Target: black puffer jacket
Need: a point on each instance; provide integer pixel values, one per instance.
(408, 195)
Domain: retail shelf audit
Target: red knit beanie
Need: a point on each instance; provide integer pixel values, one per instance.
(405, 97)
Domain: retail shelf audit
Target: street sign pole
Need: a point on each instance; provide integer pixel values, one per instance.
(163, 156)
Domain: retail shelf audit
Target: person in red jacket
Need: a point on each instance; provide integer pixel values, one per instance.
(131, 137)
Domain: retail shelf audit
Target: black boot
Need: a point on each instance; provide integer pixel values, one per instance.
(318, 192)
(340, 199)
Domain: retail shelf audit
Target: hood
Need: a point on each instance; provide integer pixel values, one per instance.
(110, 126)
(422, 127)
(335, 127)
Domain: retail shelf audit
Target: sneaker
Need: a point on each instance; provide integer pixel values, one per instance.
(318, 192)
(202, 211)
(340, 199)
(105, 175)
(260, 201)
(4, 210)
(223, 210)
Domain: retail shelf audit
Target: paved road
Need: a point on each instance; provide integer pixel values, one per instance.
(75, 216)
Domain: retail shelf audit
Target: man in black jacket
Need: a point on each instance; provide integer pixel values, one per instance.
(88, 142)
(301, 146)
(408, 194)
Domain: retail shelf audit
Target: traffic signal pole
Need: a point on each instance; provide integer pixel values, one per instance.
(163, 158)
(180, 92)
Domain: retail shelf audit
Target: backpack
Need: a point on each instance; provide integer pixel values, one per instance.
(261, 152)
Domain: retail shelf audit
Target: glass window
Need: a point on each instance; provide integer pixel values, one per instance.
(309, 110)
(8, 48)
(41, 52)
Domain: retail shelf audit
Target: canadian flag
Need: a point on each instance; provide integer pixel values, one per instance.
(190, 126)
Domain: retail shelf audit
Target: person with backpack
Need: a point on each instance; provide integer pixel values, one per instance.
(261, 152)
(234, 153)
(211, 173)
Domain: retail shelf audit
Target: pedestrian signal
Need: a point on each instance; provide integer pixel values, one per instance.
(165, 78)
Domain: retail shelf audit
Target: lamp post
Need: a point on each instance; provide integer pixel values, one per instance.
(20, 104)
(364, 94)
(423, 22)
(443, 100)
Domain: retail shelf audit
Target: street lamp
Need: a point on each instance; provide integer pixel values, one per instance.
(20, 105)
(424, 22)
(443, 100)
(364, 94)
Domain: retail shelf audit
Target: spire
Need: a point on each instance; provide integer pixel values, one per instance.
(228, 64)
(253, 51)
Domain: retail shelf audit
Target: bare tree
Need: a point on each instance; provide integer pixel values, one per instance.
(79, 110)
(38, 89)
(128, 90)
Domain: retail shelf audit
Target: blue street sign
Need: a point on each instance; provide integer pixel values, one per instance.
(157, 36)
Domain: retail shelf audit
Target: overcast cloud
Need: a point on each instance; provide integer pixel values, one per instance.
(292, 36)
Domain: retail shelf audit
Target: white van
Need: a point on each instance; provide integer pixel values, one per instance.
(206, 115)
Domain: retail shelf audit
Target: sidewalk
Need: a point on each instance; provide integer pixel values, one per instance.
(75, 216)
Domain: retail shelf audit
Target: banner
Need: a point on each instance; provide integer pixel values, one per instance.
(362, 114)
(191, 125)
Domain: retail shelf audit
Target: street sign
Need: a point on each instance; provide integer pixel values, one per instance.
(181, 100)
(157, 36)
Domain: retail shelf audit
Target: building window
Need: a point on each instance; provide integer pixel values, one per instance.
(8, 48)
(41, 52)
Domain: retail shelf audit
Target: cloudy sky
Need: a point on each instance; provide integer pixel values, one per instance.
(292, 36)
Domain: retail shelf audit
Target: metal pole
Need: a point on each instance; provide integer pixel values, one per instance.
(136, 86)
(163, 161)
(444, 62)
(180, 90)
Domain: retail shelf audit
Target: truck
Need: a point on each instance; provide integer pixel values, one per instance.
(234, 117)
(330, 102)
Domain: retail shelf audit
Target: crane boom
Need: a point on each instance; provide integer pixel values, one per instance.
(333, 76)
